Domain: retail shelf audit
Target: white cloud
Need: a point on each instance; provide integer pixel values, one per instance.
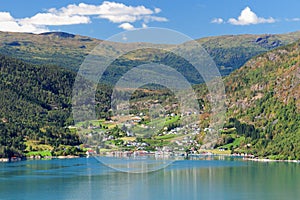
(126, 26)
(52, 19)
(81, 14)
(154, 18)
(293, 20)
(248, 17)
(112, 11)
(120, 18)
(5, 16)
(157, 10)
(217, 21)
(8, 23)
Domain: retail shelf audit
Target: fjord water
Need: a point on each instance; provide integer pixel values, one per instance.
(86, 178)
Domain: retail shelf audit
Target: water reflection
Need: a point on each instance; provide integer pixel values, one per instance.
(140, 164)
(194, 179)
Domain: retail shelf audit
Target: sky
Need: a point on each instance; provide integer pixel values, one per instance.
(195, 18)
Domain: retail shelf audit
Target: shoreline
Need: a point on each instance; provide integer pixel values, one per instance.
(245, 158)
(18, 159)
(4, 160)
(266, 160)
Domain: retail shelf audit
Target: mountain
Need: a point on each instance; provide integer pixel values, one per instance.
(35, 108)
(69, 51)
(262, 96)
(232, 51)
(55, 48)
(35, 105)
(264, 105)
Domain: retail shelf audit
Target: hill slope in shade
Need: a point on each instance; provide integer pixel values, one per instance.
(232, 51)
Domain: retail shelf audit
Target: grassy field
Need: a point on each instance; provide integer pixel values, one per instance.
(32, 145)
(127, 138)
(217, 151)
(236, 143)
(167, 137)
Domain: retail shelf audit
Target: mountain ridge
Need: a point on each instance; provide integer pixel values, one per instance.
(69, 50)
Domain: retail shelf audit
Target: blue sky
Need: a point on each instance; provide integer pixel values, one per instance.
(195, 18)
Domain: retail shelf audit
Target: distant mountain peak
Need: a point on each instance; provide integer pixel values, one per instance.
(59, 34)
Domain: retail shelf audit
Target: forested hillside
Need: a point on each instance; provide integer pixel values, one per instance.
(264, 104)
(35, 105)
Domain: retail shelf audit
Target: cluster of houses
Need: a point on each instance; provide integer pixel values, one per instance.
(138, 145)
(186, 133)
(187, 129)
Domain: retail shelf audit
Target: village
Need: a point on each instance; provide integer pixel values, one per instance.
(137, 135)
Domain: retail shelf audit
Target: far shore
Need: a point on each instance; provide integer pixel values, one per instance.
(246, 158)
(4, 159)
(269, 160)
(17, 159)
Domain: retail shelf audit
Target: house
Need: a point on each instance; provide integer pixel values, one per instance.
(129, 134)
(111, 137)
(90, 152)
(208, 129)
(136, 119)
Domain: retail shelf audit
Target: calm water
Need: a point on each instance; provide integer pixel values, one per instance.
(86, 179)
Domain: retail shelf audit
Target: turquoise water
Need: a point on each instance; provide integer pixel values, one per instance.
(86, 178)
